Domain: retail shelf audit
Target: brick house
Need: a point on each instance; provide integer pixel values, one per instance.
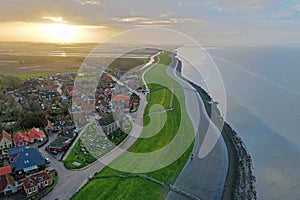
(5, 141)
(21, 139)
(32, 184)
(35, 135)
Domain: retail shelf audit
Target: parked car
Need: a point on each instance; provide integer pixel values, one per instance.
(48, 161)
(54, 152)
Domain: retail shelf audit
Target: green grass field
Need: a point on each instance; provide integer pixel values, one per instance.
(25, 76)
(137, 188)
(77, 155)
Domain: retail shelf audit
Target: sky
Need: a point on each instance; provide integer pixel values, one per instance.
(210, 22)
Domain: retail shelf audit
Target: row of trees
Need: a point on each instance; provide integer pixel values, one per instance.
(14, 117)
(9, 81)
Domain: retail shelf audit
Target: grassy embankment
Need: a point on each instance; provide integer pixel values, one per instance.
(138, 188)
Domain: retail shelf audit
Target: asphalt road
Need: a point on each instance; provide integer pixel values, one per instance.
(203, 178)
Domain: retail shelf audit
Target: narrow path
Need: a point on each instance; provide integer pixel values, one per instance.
(172, 97)
(143, 75)
(159, 111)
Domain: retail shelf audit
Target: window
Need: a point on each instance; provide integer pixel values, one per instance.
(46, 182)
(29, 191)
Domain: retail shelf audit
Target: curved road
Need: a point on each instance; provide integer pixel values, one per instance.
(203, 178)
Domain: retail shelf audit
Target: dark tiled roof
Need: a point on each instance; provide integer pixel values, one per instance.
(28, 158)
(16, 150)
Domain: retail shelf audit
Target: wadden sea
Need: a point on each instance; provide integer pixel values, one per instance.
(263, 106)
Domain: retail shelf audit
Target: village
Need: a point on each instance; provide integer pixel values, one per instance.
(51, 123)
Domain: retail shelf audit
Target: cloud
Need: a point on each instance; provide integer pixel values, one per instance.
(157, 22)
(55, 19)
(297, 7)
(89, 2)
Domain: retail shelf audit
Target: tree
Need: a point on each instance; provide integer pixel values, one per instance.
(31, 119)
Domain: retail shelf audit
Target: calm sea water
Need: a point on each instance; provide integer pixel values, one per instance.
(263, 106)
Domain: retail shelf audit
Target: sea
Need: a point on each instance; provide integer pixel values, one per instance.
(262, 87)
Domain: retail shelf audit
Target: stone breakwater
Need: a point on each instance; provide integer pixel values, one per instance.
(240, 180)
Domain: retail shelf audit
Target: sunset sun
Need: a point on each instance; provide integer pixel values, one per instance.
(61, 32)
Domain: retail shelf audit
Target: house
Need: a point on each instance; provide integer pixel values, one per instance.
(7, 184)
(5, 141)
(27, 160)
(49, 127)
(121, 103)
(7, 181)
(30, 187)
(63, 140)
(5, 170)
(123, 98)
(59, 144)
(43, 179)
(36, 135)
(21, 139)
(108, 124)
(36, 182)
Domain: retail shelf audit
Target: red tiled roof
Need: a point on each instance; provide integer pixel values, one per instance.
(21, 137)
(49, 125)
(5, 170)
(44, 175)
(121, 97)
(5, 135)
(107, 78)
(5, 180)
(29, 183)
(35, 133)
(33, 180)
(70, 87)
(51, 86)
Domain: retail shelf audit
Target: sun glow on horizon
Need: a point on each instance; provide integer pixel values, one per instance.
(54, 32)
(61, 32)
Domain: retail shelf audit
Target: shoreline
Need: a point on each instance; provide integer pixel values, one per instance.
(240, 181)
